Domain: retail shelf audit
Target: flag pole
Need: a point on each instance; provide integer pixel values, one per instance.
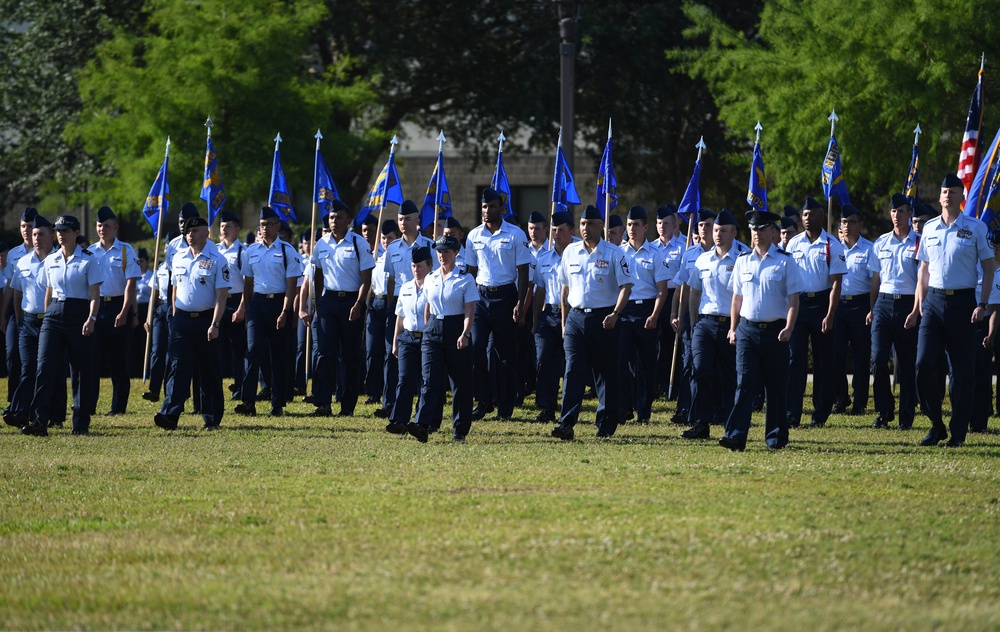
(833, 118)
(385, 198)
(607, 188)
(555, 176)
(312, 245)
(496, 170)
(437, 185)
(270, 191)
(156, 263)
(680, 300)
(208, 136)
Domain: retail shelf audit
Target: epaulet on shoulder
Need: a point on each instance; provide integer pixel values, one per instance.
(743, 254)
(777, 250)
(87, 252)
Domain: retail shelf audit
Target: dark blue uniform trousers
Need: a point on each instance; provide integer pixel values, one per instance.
(550, 360)
(758, 359)
(390, 369)
(158, 352)
(189, 346)
(375, 326)
(410, 376)
(683, 383)
(637, 355)
(234, 341)
(849, 328)
(27, 342)
(809, 327)
(61, 336)
(888, 317)
(339, 340)
(111, 345)
(983, 403)
(664, 349)
(713, 368)
(266, 344)
(591, 349)
(947, 323)
(13, 356)
(494, 341)
(440, 356)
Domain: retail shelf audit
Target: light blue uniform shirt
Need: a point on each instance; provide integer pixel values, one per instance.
(116, 271)
(953, 252)
(648, 267)
(817, 260)
(594, 279)
(342, 262)
(536, 251)
(496, 256)
(686, 263)
(410, 306)
(896, 263)
(13, 256)
(29, 280)
(269, 266)
(711, 276)
(72, 278)
(546, 275)
(161, 281)
(196, 278)
(234, 257)
(858, 279)
(380, 277)
(672, 252)
(143, 289)
(447, 295)
(765, 284)
(399, 257)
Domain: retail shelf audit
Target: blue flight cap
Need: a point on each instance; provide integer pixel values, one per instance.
(423, 253)
(447, 242)
(705, 215)
(950, 181)
(725, 218)
(389, 226)
(188, 211)
(788, 222)
(338, 206)
(489, 195)
(899, 201)
(104, 214)
(812, 205)
(142, 253)
(591, 212)
(283, 227)
(408, 208)
(40, 222)
(370, 220)
(615, 221)
(67, 222)
(848, 210)
(791, 211)
(266, 212)
(924, 210)
(172, 235)
(250, 238)
(451, 222)
(29, 214)
(562, 217)
(638, 212)
(665, 211)
(229, 216)
(536, 218)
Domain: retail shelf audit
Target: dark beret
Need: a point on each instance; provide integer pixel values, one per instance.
(266, 212)
(189, 210)
(638, 212)
(423, 253)
(194, 222)
(389, 226)
(229, 216)
(408, 208)
(951, 180)
(104, 214)
(591, 212)
(899, 200)
(812, 204)
(489, 195)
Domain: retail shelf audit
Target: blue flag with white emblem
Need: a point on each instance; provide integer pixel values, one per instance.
(326, 190)
(833, 174)
(607, 183)
(279, 197)
(563, 187)
(691, 201)
(386, 189)
(757, 191)
(982, 201)
(212, 190)
(501, 185)
(158, 200)
(910, 187)
(437, 194)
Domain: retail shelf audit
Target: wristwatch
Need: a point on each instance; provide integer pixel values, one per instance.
(982, 305)
(217, 325)
(93, 318)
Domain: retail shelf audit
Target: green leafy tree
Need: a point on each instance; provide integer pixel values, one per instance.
(884, 66)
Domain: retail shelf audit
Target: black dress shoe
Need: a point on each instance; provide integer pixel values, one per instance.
(35, 429)
(371, 400)
(458, 439)
(308, 399)
(81, 431)
(841, 407)
(564, 432)
(234, 388)
(417, 431)
(881, 422)
(298, 391)
(150, 396)
(546, 415)
(322, 411)
(733, 444)
(394, 428)
(246, 408)
(165, 421)
(629, 414)
(481, 411)
(54, 423)
(935, 436)
(265, 393)
(210, 427)
(817, 423)
(276, 411)
(679, 417)
(505, 417)
(954, 444)
(381, 413)
(642, 421)
(18, 420)
(697, 431)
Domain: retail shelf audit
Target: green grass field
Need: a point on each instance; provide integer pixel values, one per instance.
(321, 523)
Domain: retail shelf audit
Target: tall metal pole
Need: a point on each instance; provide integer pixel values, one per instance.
(569, 15)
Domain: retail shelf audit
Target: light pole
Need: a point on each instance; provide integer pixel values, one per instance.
(569, 15)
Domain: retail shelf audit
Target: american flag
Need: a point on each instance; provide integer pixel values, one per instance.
(968, 159)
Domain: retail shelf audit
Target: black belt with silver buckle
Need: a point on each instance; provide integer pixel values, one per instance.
(551, 309)
(280, 295)
(716, 318)
(339, 294)
(381, 296)
(894, 297)
(765, 325)
(183, 312)
(857, 297)
(491, 289)
(35, 316)
(962, 292)
(590, 310)
(820, 294)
